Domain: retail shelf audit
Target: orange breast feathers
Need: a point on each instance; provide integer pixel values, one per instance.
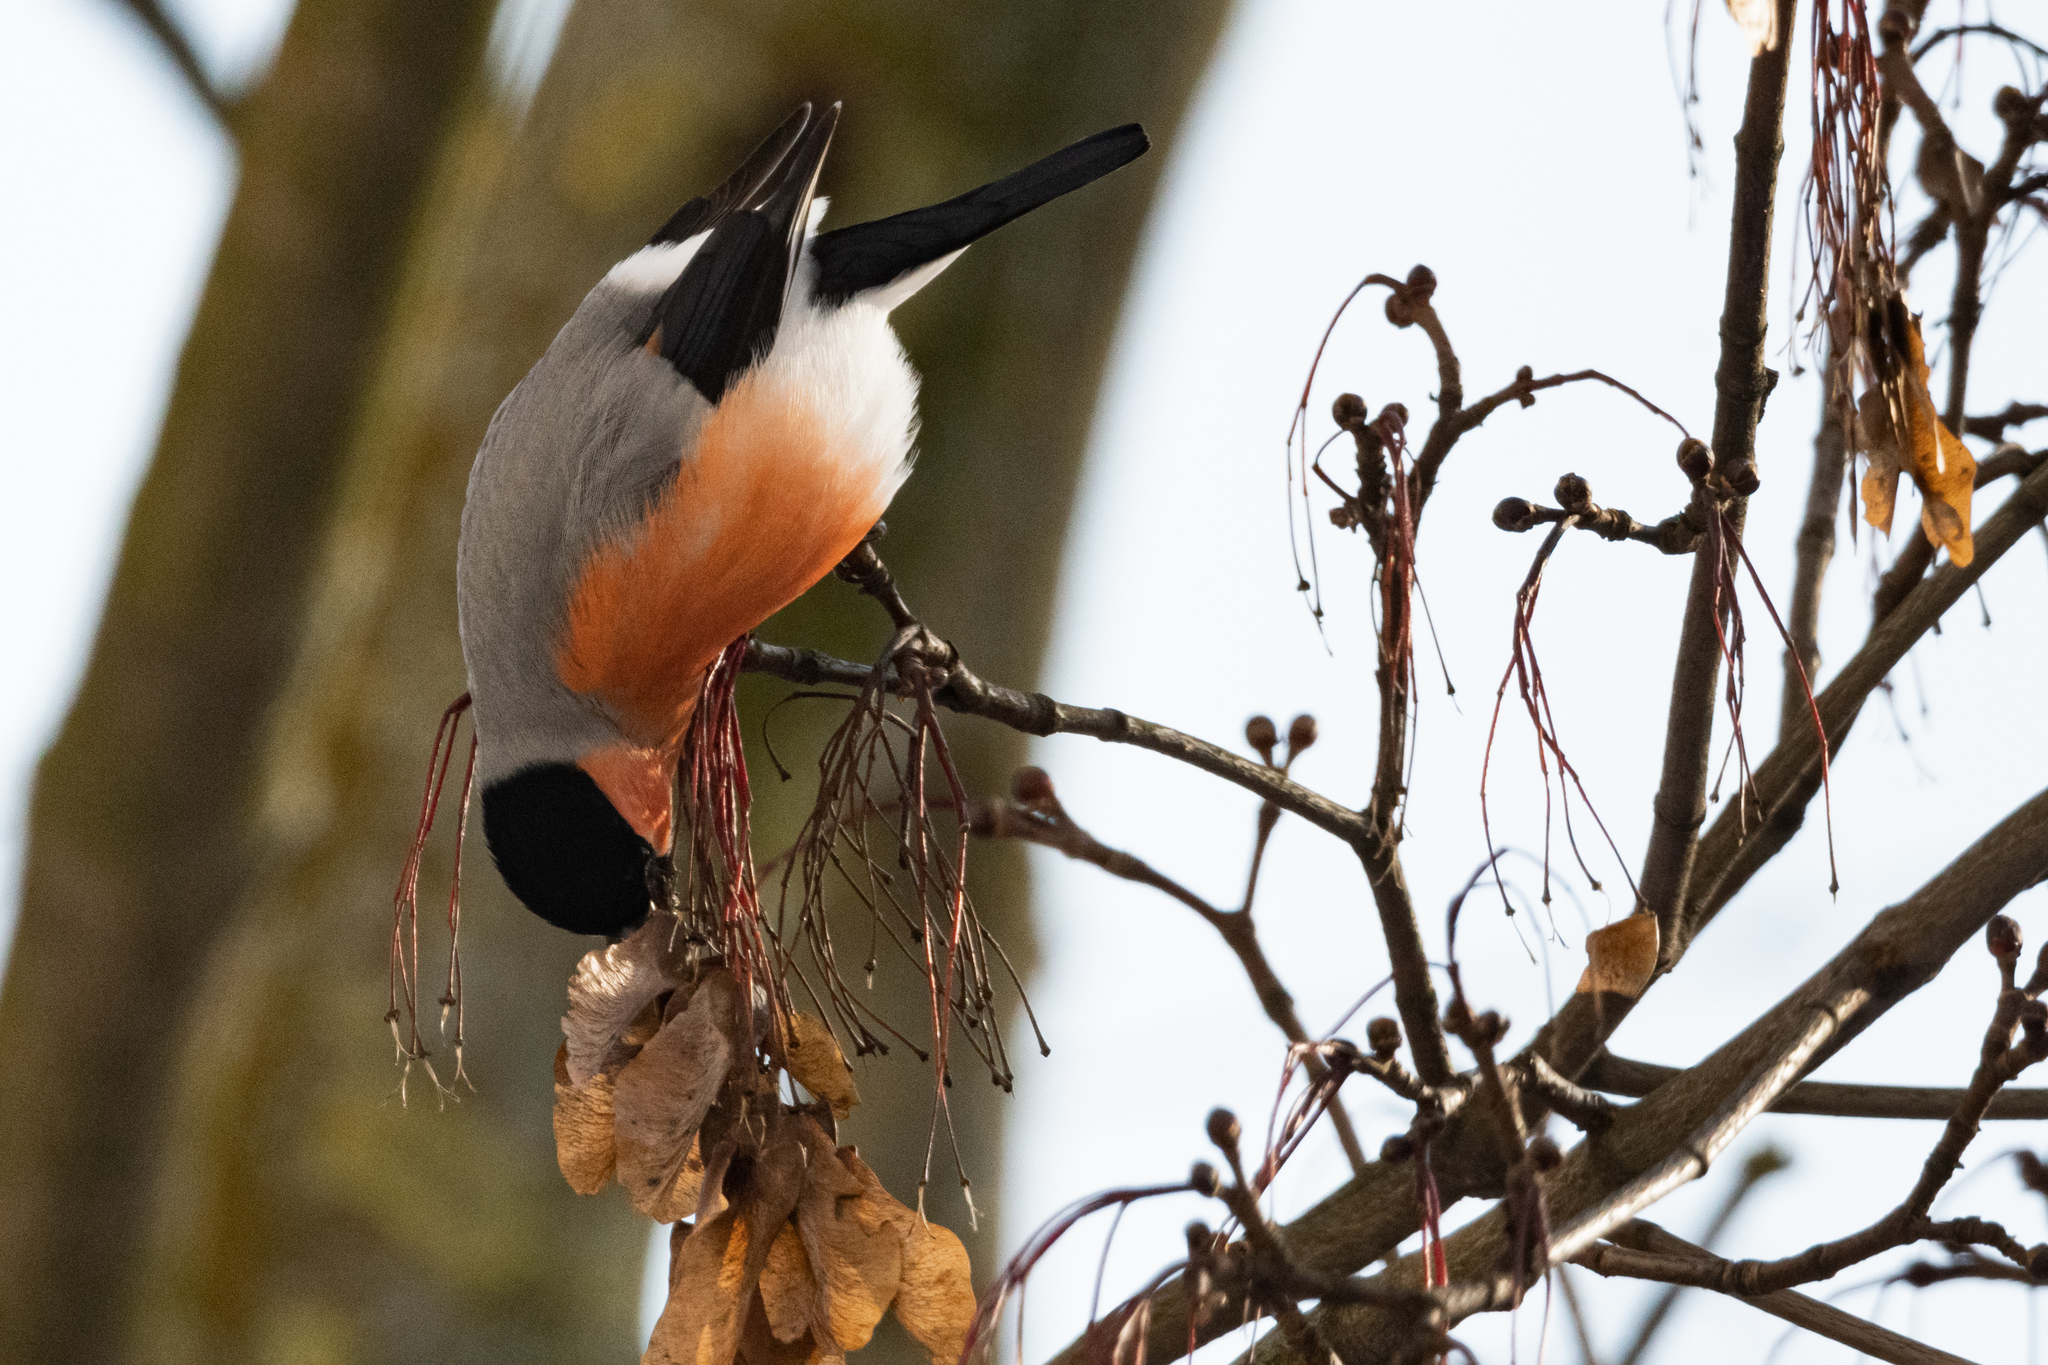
(774, 495)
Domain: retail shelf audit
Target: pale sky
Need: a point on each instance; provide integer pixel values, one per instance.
(1535, 159)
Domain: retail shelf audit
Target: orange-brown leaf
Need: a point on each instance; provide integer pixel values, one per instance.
(1941, 465)
(676, 1198)
(662, 1095)
(786, 1293)
(584, 1146)
(1621, 957)
(853, 1231)
(935, 1302)
(1758, 20)
(760, 1346)
(710, 1289)
(816, 1063)
(609, 990)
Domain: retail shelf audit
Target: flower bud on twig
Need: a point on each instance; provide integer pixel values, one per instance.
(1695, 458)
(1224, 1130)
(1031, 786)
(1384, 1035)
(1348, 411)
(1574, 494)
(1260, 734)
(1514, 514)
(2002, 937)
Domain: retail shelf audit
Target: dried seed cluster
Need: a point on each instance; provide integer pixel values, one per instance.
(787, 1250)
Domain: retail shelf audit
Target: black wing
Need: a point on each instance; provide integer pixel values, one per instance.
(720, 315)
(852, 260)
(704, 212)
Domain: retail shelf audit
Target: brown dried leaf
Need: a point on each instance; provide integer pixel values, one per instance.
(935, 1302)
(786, 1293)
(584, 1146)
(816, 1063)
(1941, 465)
(1758, 20)
(715, 1274)
(776, 1180)
(711, 1200)
(611, 986)
(1621, 957)
(662, 1095)
(760, 1346)
(854, 1231)
(1947, 475)
(1881, 479)
(677, 1196)
(710, 1288)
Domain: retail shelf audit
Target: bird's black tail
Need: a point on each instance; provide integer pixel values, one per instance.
(721, 314)
(852, 260)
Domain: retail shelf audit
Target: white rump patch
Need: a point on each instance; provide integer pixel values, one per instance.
(848, 363)
(652, 269)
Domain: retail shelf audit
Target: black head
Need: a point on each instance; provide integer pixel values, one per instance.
(565, 852)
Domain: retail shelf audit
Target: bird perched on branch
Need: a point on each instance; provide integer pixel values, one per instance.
(723, 419)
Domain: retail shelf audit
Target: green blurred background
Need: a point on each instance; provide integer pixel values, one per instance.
(201, 1151)
(202, 1155)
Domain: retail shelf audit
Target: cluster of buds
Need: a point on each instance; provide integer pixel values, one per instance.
(1264, 737)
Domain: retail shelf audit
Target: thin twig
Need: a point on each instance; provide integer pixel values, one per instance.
(179, 49)
(1741, 384)
(1034, 713)
(1815, 547)
(1763, 1163)
(1044, 821)
(1837, 1099)
(1819, 1318)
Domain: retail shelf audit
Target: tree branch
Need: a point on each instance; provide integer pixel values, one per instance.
(1034, 713)
(1992, 426)
(1669, 1137)
(1044, 821)
(179, 49)
(1741, 383)
(1747, 836)
(1763, 1163)
(1836, 1099)
(1815, 549)
(1654, 1254)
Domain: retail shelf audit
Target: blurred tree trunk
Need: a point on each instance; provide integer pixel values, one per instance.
(304, 1213)
(137, 827)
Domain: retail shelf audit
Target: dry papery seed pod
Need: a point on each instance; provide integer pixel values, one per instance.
(719, 1118)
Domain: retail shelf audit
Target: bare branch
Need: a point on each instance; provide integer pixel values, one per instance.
(1675, 1266)
(1671, 1136)
(1586, 1110)
(1815, 549)
(1992, 427)
(1761, 1165)
(1741, 382)
(1837, 1099)
(179, 49)
(1941, 35)
(1034, 713)
(1044, 821)
(1744, 839)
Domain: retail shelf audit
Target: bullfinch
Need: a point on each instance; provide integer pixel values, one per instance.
(723, 419)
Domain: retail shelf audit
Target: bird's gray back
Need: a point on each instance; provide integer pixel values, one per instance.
(576, 454)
